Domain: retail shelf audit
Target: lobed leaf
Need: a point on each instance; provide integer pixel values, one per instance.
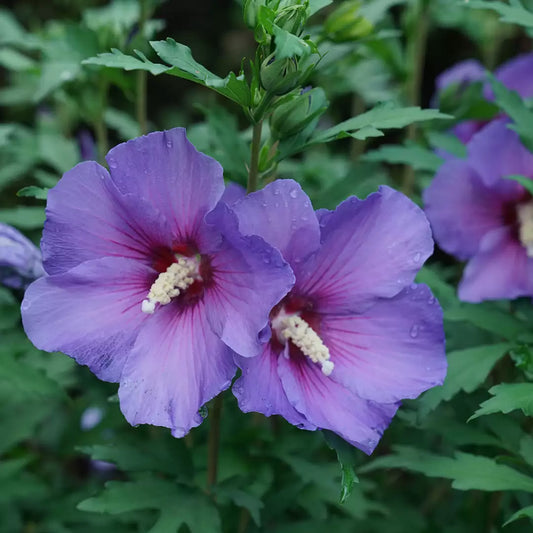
(507, 398)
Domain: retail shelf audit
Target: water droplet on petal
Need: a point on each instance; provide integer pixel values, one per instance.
(431, 300)
(414, 331)
(169, 143)
(112, 162)
(293, 193)
(417, 257)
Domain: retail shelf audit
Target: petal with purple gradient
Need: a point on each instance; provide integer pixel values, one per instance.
(331, 406)
(87, 218)
(249, 277)
(282, 214)
(259, 389)
(167, 171)
(517, 75)
(495, 152)
(233, 193)
(464, 72)
(461, 208)
(394, 350)
(92, 312)
(501, 270)
(370, 248)
(175, 367)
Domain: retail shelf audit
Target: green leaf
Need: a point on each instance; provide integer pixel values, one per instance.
(116, 59)
(176, 504)
(526, 512)
(372, 122)
(467, 370)
(514, 13)
(507, 398)
(449, 143)
(289, 45)
(33, 192)
(417, 156)
(124, 124)
(468, 472)
(23, 217)
(14, 60)
(527, 183)
(180, 57)
(317, 5)
(347, 457)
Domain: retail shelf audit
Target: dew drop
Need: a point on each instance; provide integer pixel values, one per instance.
(276, 192)
(169, 143)
(112, 162)
(414, 331)
(431, 300)
(417, 257)
(293, 193)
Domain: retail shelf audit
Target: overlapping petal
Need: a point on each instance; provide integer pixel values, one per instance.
(167, 171)
(393, 350)
(370, 248)
(87, 218)
(461, 208)
(176, 365)
(92, 312)
(329, 405)
(500, 270)
(259, 388)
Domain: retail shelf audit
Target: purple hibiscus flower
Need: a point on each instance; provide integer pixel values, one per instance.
(355, 335)
(142, 289)
(20, 260)
(516, 74)
(478, 216)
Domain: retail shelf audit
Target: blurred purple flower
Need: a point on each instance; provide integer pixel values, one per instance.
(143, 289)
(20, 260)
(478, 216)
(355, 335)
(515, 74)
(87, 146)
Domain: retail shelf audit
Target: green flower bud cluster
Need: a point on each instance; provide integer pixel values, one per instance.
(347, 23)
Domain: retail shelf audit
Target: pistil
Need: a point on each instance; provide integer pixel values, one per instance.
(303, 336)
(525, 219)
(169, 284)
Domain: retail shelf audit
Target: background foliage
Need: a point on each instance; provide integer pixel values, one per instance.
(80, 76)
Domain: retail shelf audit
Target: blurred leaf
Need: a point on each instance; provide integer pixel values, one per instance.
(176, 504)
(317, 5)
(507, 398)
(468, 472)
(416, 156)
(14, 60)
(371, 123)
(467, 370)
(116, 59)
(347, 457)
(11, 32)
(179, 56)
(126, 126)
(527, 183)
(33, 192)
(526, 512)
(447, 142)
(23, 217)
(514, 13)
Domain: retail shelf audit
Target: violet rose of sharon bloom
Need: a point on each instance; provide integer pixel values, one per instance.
(20, 259)
(143, 290)
(355, 335)
(479, 216)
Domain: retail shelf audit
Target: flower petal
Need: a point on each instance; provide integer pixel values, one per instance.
(495, 152)
(92, 312)
(282, 214)
(259, 388)
(461, 208)
(517, 75)
(249, 278)
(329, 405)
(501, 269)
(370, 248)
(175, 367)
(87, 218)
(393, 350)
(464, 72)
(233, 193)
(165, 169)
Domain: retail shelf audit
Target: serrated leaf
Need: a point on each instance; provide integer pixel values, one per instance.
(381, 117)
(467, 370)
(416, 156)
(33, 192)
(527, 183)
(507, 398)
(347, 457)
(514, 14)
(468, 472)
(185, 66)
(177, 504)
(289, 45)
(526, 512)
(116, 59)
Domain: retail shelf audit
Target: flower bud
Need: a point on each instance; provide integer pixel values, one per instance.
(294, 115)
(250, 9)
(292, 18)
(347, 23)
(279, 76)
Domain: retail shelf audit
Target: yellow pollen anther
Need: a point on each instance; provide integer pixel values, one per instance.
(304, 337)
(169, 284)
(525, 218)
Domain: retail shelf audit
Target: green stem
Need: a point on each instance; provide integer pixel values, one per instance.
(416, 55)
(142, 78)
(213, 441)
(253, 171)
